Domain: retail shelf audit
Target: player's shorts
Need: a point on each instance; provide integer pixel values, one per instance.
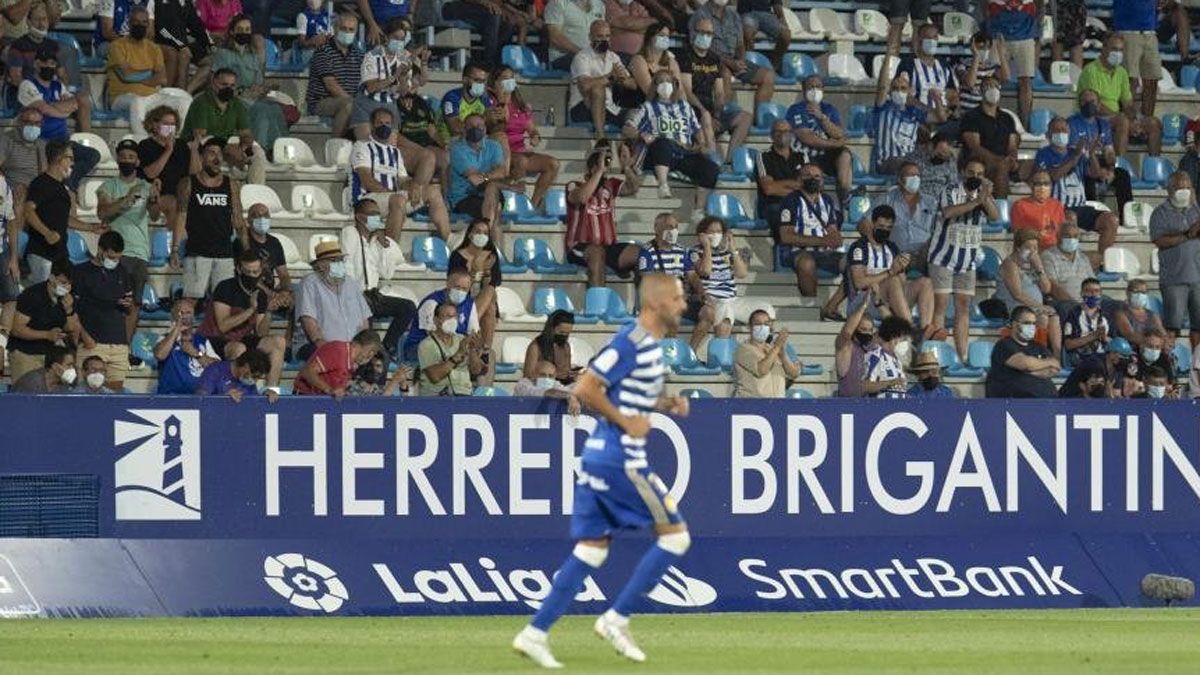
(610, 498)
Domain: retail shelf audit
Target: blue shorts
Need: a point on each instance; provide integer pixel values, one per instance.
(609, 498)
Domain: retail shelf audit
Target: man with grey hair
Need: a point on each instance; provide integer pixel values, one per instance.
(1175, 231)
(329, 303)
(334, 74)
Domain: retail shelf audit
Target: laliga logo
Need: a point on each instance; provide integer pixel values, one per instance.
(304, 582)
(679, 590)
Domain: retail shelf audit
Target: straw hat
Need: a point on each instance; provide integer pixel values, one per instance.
(330, 249)
(926, 361)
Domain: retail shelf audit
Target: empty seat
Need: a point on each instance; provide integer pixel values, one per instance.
(979, 354)
(765, 115)
(295, 153)
(518, 208)
(872, 23)
(757, 59)
(537, 256)
(337, 152)
(877, 63)
(1064, 73)
(861, 177)
(512, 308)
(525, 62)
(606, 305)
(556, 203)
(1039, 121)
(742, 162)
(142, 346)
(432, 252)
(833, 25)
(512, 350)
(1173, 125)
(1137, 215)
(957, 27)
(1183, 357)
(857, 119)
(797, 66)
(1156, 170)
(314, 202)
(546, 299)
(679, 356)
(95, 142)
(847, 67)
(1118, 260)
(160, 247)
(729, 208)
(77, 248)
(253, 193)
(582, 352)
(721, 353)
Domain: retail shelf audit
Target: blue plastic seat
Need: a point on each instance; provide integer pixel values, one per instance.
(979, 354)
(799, 392)
(729, 208)
(160, 247)
(857, 119)
(762, 61)
(517, 207)
(546, 299)
(1004, 222)
(508, 267)
(152, 308)
(142, 346)
(1040, 83)
(948, 359)
(797, 66)
(765, 115)
(556, 203)
(695, 393)
(537, 256)
(1156, 170)
(490, 391)
(604, 304)
(988, 269)
(1187, 76)
(679, 356)
(1135, 178)
(861, 177)
(77, 249)
(22, 242)
(1173, 125)
(276, 63)
(721, 353)
(68, 41)
(1183, 357)
(858, 209)
(523, 60)
(1039, 121)
(432, 252)
(805, 368)
(742, 161)
(1155, 305)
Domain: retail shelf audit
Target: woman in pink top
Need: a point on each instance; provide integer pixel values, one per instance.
(522, 133)
(216, 15)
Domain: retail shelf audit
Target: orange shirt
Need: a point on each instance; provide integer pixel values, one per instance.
(1046, 218)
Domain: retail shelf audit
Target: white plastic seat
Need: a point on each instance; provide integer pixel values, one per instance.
(957, 27)
(1099, 206)
(316, 239)
(832, 25)
(582, 353)
(1137, 215)
(1167, 85)
(337, 152)
(743, 307)
(798, 27)
(399, 291)
(512, 350)
(1064, 73)
(512, 308)
(95, 142)
(314, 202)
(291, 252)
(252, 194)
(294, 152)
(177, 99)
(1047, 28)
(1122, 261)
(877, 63)
(847, 67)
(1154, 260)
(87, 198)
(872, 23)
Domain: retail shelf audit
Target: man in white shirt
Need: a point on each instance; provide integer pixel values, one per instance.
(567, 26)
(600, 81)
(372, 257)
(377, 173)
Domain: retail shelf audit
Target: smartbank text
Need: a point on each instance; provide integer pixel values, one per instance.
(772, 467)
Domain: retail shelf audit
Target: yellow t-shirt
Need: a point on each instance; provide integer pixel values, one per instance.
(135, 55)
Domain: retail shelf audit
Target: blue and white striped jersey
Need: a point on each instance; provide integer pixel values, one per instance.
(380, 64)
(880, 365)
(675, 260)
(894, 131)
(928, 77)
(1069, 188)
(675, 121)
(957, 243)
(632, 368)
(875, 257)
(808, 218)
(384, 162)
(720, 285)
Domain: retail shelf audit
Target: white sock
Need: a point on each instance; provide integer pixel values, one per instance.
(612, 616)
(535, 633)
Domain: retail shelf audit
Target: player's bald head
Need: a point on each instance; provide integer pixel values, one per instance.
(662, 295)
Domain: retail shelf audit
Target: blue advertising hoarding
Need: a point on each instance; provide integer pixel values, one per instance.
(461, 506)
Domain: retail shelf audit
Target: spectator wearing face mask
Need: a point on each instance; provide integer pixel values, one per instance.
(850, 345)
(702, 76)
(135, 64)
(56, 375)
(883, 361)
(23, 153)
(601, 84)
(1040, 213)
(104, 298)
(1069, 168)
(729, 43)
(258, 238)
(520, 135)
(457, 292)
(810, 234)
(469, 99)
(1133, 319)
(1085, 329)
(238, 378)
(478, 171)
(990, 137)
(93, 381)
(1175, 231)
(238, 319)
(762, 367)
(818, 131)
(1023, 282)
(1132, 368)
(929, 378)
(448, 359)
(916, 212)
(568, 26)
(668, 128)
(1067, 268)
(717, 265)
(19, 58)
(1156, 385)
(182, 353)
(936, 165)
(244, 54)
(1093, 132)
(332, 365)
(53, 98)
(126, 204)
(116, 19)
(380, 73)
(373, 379)
(1020, 367)
(1092, 378)
(591, 237)
(896, 121)
(1108, 78)
(873, 263)
(372, 258)
(933, 81)
(219, 116)
(334, 75)
(663, 254)
(329, 303)
(988, 60)
(45, 317)
(553, 346)
(478, 256)
(545, 385)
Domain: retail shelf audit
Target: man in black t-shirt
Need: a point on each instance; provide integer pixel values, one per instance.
(990, 136)
(258, 238)
(49, 210)
(239, 317)
(778, 173)
(45, 316)
(104, 297)
(703, 79)
(1021, 368)
(209, 217)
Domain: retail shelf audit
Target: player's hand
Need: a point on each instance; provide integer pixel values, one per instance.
(637, 426)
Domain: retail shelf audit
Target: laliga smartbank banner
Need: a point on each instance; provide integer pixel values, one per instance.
(182, 467)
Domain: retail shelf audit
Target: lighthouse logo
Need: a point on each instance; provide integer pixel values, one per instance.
(157, 472)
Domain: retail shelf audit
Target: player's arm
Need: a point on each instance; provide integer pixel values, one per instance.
(590, 390)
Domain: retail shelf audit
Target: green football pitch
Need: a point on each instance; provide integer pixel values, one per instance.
(1025, 642)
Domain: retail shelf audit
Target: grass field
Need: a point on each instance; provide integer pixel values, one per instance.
(1025, 642)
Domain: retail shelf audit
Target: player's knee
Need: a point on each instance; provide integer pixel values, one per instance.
(594, 556)
(675, 542)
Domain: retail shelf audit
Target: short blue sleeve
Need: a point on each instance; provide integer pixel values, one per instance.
(795, 115)
(832, 113)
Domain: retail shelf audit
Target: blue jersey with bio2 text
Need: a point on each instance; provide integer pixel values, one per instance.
(632, 369)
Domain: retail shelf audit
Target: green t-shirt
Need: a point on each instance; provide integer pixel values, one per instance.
(134, 224)
(1111, 87)
(204, 114)
(431, 352)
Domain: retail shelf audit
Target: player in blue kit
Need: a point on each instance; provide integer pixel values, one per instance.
(616, 488)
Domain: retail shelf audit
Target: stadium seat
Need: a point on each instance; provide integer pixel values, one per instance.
(1040, 83)
(758, 59)
(1183, 357)
(988, 269)
(160, 247)
(95, 142)
(546, 299)
(798, 66)
(1166, 84)
(679, 356)
(1173, 125)
(695, 393)
(979, 354)
(872, 23)
(1039, 121)
(729, 208)
(314, 202)
(582, 352)
(1154, 260)
(948, 358)
(857, 119)
(1122, 261)
(957, 27)
(805, 368)
(151, 308)
(743, 307)
(1156, 170)
(742, 160)
(847, 67)
(721, 353)
(556, 203)
(142, 346)
(525, 62)
(798, 26)
(508, 267)
(88, 200)
(512, 308)
(1004, 206)
(1187, 76)
(1137, 215)
(877, 63)
(1064, 73)
(276, 62)
(432, 252)
(859, 208)
(295, 153)
(253, 193)
(492, 390)
(799, 392)
(835, 26)
(291, 252)
(1155, 304)
(518, 208)
(68, 41)
(77, 248)
(861, 177)
(337, 152)
(606, 305)
(536, 255)
(765, 115)
(512, 350)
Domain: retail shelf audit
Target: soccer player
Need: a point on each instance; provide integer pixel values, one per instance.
(616, 489)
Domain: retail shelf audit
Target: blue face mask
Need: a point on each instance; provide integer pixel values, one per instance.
(374, 223)
(1069, 245)
(703, 41)
(1115, 58)
(345, 38)
(396, 46)
(337, 269)
(31, 133)
(1092, 301)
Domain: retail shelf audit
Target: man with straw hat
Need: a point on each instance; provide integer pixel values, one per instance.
(929, 378)
(329, 304)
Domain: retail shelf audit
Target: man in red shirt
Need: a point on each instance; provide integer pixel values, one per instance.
(332, 365)
(591, 239)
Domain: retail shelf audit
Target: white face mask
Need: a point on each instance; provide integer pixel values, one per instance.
(671, 236)
(1027, 331)
(457, 295)
(68, 376)
(929, 46)
(991, 95)
(1139, 300)
(912, 184)
(167, 130)
(546, 383)
(449, 326)
(479, 240)
(900, 98)
(109, 264)
(903, 351)
(1060, 139)
(508, 85)
(814, 95)
(760, 333)
(1156, 391)
(662, 42)
(714, 239)
(95, 380)
(262, 225)
(665, 89)
(1150, 355)
(1181, 198)
(1069, 245)
(61, 290)
(477, 89)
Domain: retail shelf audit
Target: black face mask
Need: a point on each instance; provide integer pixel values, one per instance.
(937, 161)
(811, 185)
(473, 134)
(561, 340)
(242, 38)
(601, 46)
(1089, 110)
(973, 183)
(127, 168)
(930, 383)
(382, 132)
(881, 235)
(249, 281)
(137, 32)
(1097, 391)
(47, 73)
(225, 94)
(864, 339)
